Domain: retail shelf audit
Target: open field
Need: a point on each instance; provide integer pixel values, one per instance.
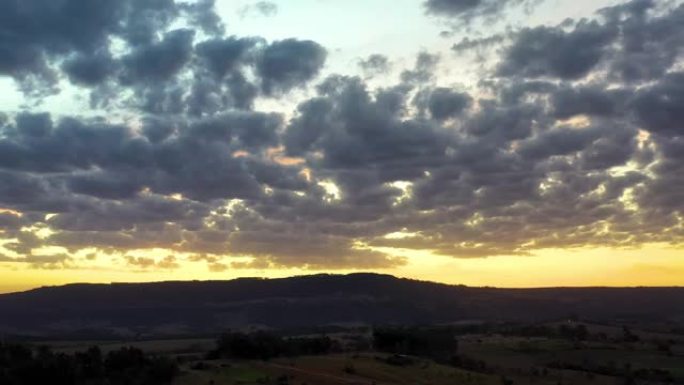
(548, 353)
(531, 356)
(333, 370)
(485, 358)
(164, 347)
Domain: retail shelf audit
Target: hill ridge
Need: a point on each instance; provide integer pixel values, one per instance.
(186, 307)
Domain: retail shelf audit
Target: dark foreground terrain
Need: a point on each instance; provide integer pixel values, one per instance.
(487, 353)
(174, 309)
(360, 329)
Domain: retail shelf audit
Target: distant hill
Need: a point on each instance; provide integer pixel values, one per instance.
(176, 308)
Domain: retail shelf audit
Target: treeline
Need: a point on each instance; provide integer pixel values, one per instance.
(570, 331)
(436, 343)
(265, 345)
(23, 365)
(631, 376)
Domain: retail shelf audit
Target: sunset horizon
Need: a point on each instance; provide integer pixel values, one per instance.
(334, 274)
(341, 192)
(520, 143)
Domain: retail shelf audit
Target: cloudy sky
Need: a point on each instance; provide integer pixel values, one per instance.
(484, 142)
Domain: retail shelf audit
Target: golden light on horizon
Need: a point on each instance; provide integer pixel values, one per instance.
(436, 142)
(583, 267)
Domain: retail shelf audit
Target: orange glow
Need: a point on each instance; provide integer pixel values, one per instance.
(652, 265)
(306, 173)
(240, 154)
(277, 155)
(11, 212)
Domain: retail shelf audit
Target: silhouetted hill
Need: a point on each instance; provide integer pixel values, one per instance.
(207, 307)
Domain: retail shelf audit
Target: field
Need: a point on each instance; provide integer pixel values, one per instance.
(163, 347)
(602, 354)
(602, 357)
(367, 368)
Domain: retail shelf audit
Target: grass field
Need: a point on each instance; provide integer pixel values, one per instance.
(487, 358)
(526, 354)
(368, 369)
(509, 360)
(165, 347)
(333, 370)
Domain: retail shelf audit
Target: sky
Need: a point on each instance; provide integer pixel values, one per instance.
(510, 143)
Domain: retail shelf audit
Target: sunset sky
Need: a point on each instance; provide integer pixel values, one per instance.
(513, 143)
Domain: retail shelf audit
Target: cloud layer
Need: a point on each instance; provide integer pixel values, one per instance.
(573, 138)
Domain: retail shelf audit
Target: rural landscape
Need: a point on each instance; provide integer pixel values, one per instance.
(354, 329)
(341, 192)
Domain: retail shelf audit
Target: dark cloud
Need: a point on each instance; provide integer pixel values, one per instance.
(220, 78)
(650, 39)
(444, 103)
(90, 70)
(289, 63)
(375, 65)
(659, 107)
(467, 44)
(11, 221)
(635, 41)
(560, 141)
(569, 102)
(662, 196)
(127, 55)
(553, 52)
(424, 70)
(111, 161)
(352, 128)
(467, 10)
(36, 33)
(159, 61)
(202, 14)
(17, 189)
(174, 77)
(224, 56)
(499, 123)
(35, 30)
(574, 139)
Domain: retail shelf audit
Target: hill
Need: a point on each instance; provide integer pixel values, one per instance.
(178, 308)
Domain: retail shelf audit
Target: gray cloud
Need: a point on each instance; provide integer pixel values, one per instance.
(551, 51)
(467, 10)
(593, 101)
(443, 103)
(650, 38)
(36, 32)
(127, 163)
(561, 145)
(635, 41)
(289, 63)
(159, 61)
(166, 70)
(261, 8)
(90, 70)
(467, 44)
(375, 65)
(424, 69)
(224, 56)
(659, 107)
(167, 263)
